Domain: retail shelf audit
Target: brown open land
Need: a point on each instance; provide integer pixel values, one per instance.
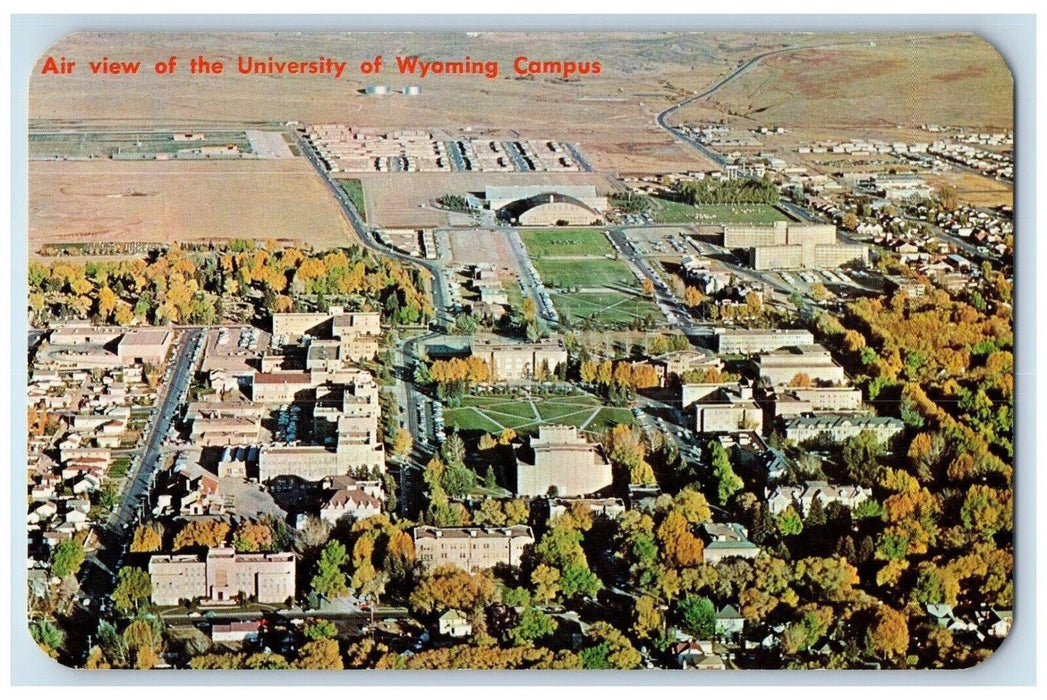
(473, 246)
(957, 80)
(403, 200)
(610, 115)
(105, 200)
(976, 190)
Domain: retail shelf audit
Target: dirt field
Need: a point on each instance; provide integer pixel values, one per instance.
(469, 247)
(956, 80)
(82, 201)
(611, 115)
(396, 199)
(975, 189)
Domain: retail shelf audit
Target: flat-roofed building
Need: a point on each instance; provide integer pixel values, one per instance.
(514, 361)
(471, 548)
(83, 333)
(145, 346)
(829, 398)
(728, 410)
(840, 428)
(221, 575)
(560, 462)
(780, 367)
(358, 333)
(281, 387)
(225, 431)
(745, 341)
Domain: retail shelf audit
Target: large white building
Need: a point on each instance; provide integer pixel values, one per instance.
(560, 462)
(748, 341)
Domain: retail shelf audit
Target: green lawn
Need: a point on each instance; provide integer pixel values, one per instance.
(669, 212)
(604, 308)
(494, 414)
(105, 144)
(355, 190)
(566, 242)
(568, 274)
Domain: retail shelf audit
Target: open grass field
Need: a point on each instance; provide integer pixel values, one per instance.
(557, 242)
(103, 144)
(493, 414)
(355, 190)
(669, 212)
(157, 201)
(603, 308)
(598, 272)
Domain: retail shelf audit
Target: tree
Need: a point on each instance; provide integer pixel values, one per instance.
(47, 636)
(861, 456)
(330, 581)
(133, 587)
(402, 443)
(202, 533)
(693, 506)
(320, 654)
(320, 629)
(490, 513)
(608, 649)
(680, 548)
(447, 587)
(578, 580)
(697, 616)
(888, 632)
(693, 297)
(729, 482)
(647, 287)
(147, 538)
(533, 625)
(66, 558)
(789, 522)
(546, 582)
(800, 381)
(253, 537)
(647, 617)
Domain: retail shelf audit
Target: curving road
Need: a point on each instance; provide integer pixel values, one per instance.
(662, 117)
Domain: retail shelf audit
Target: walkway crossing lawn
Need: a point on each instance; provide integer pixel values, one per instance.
(566, 242)
(605, 308)
(493, 414)
(669, 212)
(598, 272)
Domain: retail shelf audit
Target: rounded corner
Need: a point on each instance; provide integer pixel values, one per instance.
(35, 68)
(1003, 59)
(36, 648)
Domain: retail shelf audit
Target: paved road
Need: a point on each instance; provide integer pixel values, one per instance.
(662, 118)
(365, 234)
(140, 477)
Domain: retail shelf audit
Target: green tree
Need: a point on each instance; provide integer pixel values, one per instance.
(66, 558)
(133, 587)
(697, 616)
(533, 625)
(330, 580)
(320, 629)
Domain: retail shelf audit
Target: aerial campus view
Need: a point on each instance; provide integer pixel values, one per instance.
(520, 351)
